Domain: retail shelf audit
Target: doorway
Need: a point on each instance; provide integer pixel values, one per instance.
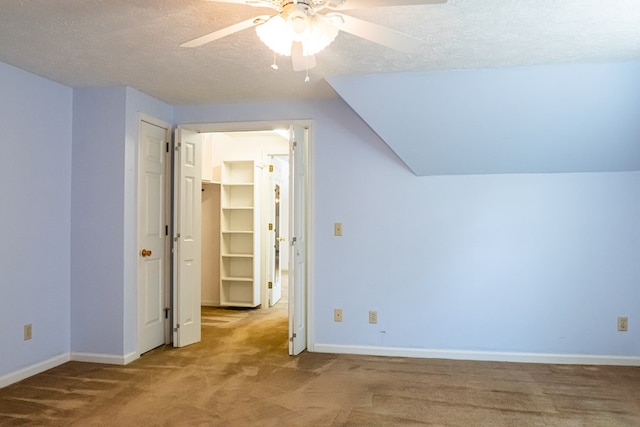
(297, 241)
(245, 179)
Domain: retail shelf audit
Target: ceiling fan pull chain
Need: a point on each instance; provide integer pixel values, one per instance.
(274, 65)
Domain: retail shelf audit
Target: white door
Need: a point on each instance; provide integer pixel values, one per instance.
(187, 238)
(298, 241)
(152, 206)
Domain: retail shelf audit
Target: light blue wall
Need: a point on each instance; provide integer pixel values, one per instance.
(35, 192)
(506, 263)
(97, 232)
(561, 118)
(104, 247)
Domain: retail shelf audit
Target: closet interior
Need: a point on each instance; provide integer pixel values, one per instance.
(245, 218)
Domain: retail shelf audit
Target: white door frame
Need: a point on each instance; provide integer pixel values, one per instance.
(167, 216)
(270, 125)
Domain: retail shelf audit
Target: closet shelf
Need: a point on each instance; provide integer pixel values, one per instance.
(237, 279)
(240, 239)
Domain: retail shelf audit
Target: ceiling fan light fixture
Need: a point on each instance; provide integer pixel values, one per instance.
(313, 31)
(275, 34)
(320, 34)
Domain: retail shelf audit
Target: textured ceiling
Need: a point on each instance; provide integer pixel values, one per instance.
(135, 42)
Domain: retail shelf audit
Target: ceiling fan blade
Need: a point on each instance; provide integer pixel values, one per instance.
(363, 4)
(226, 31)
(255, 3)
(377, 33)
(299, 61)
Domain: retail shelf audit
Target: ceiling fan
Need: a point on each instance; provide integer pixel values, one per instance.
(302, 28)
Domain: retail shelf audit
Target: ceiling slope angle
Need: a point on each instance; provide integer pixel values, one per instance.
(547, 119)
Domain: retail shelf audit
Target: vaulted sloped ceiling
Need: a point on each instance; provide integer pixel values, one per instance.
(560, 118)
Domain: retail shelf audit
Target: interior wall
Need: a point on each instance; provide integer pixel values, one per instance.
(502, 263)
(499, 263)
(103, 232)
(210, 291)
(247, 146)
(544, 119)
(97, 232)
(35, 189)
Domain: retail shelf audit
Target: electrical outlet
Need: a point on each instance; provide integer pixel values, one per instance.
(623, 324)
(337, 315)
(28, 332)
(337, 229)
(373, 317)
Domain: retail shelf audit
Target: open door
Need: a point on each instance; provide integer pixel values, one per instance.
(298, 240)
(187, 238)
(272, 193)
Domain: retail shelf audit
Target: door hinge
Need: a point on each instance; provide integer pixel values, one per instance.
(166, 312)
(178, 146)
(270, 226)
(270, 168)
(176, 328)
(293, 241)
(292, 337)
(270, 285)
(177, 237)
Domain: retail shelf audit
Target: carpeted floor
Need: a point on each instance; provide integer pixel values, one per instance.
(240, 375)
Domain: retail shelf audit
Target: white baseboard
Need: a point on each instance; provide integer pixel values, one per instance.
(34, 369)
(109, 359)
(561, 359)
(128, 358)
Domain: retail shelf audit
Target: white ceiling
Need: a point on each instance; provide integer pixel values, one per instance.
(135, 42)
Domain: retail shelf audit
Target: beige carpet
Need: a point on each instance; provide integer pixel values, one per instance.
(240, 375)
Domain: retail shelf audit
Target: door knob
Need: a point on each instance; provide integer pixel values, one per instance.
(145, 252)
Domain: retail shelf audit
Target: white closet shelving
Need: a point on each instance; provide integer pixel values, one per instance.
(240, 237)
